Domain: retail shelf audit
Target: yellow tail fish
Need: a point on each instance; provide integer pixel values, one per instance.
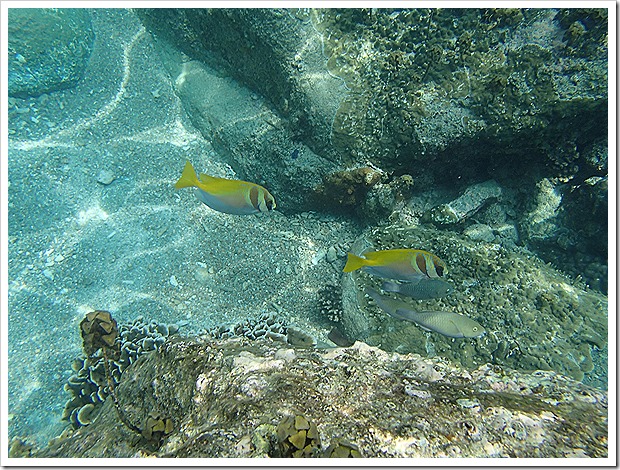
(402, 265)
(229, 196)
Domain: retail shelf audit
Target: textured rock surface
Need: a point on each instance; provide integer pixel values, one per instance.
(236, 398)
(425, 84)
(535, 316)
(48, 49)
(274, 130)
(275, 52)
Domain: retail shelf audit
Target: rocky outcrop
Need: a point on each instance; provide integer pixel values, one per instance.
(238, 398)
(48, 49)
(445, 98)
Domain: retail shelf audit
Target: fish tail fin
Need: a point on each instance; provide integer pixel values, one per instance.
(353, 263)
(188, 177)
(389, 286)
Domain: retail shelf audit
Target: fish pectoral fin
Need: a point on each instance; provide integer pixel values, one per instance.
(457, 328)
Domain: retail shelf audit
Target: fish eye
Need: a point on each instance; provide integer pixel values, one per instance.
(475, 328)
(439, 270)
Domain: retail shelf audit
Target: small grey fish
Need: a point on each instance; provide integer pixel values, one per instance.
(449, 324)
(421, 289)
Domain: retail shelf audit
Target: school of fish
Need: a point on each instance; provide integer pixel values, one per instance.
(418, 273)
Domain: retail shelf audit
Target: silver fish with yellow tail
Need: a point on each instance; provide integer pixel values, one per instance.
(401, 265)
(448, 324)
(224, 195)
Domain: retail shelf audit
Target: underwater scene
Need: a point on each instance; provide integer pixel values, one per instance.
(289, 233)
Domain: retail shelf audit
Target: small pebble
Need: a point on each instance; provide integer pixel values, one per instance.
(201, 274)
(173, 281)
(468, 403)
(331, 254)
(105, 177)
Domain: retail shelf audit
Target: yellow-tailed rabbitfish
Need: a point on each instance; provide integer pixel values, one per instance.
(422, 289)
(229, 196)
(401, 265)
(448, 324)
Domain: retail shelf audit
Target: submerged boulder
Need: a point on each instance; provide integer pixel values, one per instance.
(242, 398)
(49, 49)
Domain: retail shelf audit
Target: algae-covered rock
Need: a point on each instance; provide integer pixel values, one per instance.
(433, 88)
(49, 49)
(239, 398)
(535, 316)
(444, 95)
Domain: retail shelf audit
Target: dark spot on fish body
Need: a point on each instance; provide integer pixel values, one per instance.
(254, 196)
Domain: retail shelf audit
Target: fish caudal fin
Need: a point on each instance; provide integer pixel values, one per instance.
(188, 177)
(353, 263)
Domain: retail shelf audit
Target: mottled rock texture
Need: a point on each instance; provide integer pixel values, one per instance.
(232, 398)
(49, 49)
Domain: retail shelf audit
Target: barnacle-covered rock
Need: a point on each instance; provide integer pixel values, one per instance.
(242, 398)
(345, 191)
(443, 85)
(536, 317)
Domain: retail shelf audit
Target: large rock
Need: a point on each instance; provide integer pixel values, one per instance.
(238, 398)
(428, 89)
(535, 316)
(246, 131)
(48, 49)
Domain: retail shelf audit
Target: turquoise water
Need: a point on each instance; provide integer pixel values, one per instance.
(95, 222)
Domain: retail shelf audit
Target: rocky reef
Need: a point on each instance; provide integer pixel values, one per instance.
(242, 398)
(437, 98)
(535, 316)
